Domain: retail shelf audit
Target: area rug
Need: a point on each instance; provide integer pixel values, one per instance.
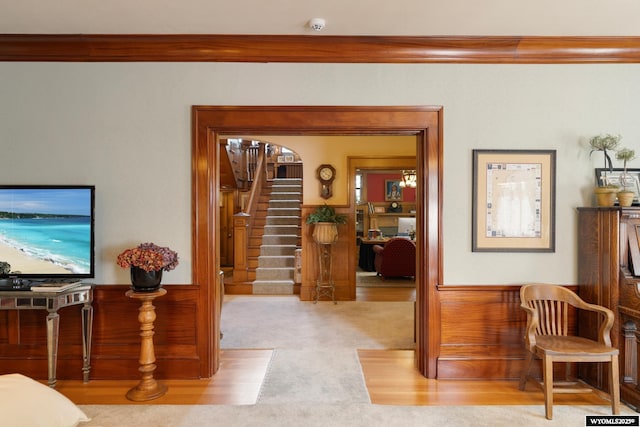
(316, 375)
(338, 415)
(282, 322)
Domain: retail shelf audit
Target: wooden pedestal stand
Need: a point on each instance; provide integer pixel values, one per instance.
(148, 388)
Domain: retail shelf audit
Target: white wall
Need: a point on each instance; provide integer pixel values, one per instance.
(125, 127)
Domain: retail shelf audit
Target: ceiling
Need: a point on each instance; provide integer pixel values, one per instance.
(343, 17)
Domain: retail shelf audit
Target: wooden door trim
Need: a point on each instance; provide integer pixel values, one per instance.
(209, 122)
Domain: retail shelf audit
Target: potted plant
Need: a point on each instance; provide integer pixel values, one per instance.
(625, 195)
(603, 143)
(147, 261)
(606, 193)
(325, 220)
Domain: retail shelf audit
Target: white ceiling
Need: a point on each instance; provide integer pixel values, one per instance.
(343, 17)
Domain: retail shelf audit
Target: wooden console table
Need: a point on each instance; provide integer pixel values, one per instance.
(52, 302)
(148, 388)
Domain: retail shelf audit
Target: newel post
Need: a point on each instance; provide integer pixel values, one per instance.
(240, 245)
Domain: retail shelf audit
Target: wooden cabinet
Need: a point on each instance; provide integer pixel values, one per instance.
(604, 278)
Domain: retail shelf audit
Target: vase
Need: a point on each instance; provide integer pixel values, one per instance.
(625, 198)
(145, 281)
(325, 233)
(606, 196)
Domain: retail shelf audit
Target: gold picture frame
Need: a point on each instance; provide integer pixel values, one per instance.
(513, 201)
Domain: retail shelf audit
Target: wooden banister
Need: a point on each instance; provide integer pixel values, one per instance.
(243, 221)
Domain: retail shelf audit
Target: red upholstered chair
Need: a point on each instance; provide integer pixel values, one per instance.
(397, 258)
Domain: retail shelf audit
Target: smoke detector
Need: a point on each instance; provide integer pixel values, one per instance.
(317, 24)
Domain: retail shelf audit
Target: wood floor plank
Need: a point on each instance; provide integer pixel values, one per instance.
(390, 376)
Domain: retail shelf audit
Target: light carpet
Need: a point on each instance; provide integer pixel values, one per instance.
(315, 357)
(315, 378)
(338, 415)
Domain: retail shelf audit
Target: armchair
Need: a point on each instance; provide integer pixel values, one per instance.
(397, 258)
(547, 337)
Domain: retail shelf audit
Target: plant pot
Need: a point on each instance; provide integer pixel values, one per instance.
(605, 196)
(625, 198)
(145, 281)
(325, 233)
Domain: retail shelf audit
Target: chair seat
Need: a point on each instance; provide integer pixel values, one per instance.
(573, 346)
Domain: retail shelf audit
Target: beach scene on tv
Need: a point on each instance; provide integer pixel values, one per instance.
(45, 231)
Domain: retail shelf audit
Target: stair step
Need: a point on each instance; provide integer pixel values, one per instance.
(279, 239)
(281, 229)
(284, 204)
(275, 250)
(287, 189)
(282, 220)
(283, 211)
(273, 287)
(286, 195)
(274, 273)
(276, 261)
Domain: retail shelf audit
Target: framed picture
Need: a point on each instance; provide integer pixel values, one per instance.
(280, 159)
(288, 158)
(631, 182)
(513, 201)
(392, 190)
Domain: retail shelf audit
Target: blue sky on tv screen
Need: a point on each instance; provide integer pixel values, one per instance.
(76, 201)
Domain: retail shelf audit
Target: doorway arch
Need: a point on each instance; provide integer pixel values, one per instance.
(209, 122)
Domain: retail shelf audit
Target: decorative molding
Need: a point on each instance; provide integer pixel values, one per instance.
(318, 49)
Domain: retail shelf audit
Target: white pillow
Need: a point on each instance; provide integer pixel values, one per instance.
(26, 402)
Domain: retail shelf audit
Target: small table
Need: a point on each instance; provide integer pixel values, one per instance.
(52, 302)
(148, 388)
(367, 256)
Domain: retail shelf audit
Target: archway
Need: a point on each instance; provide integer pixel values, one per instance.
(425, 122)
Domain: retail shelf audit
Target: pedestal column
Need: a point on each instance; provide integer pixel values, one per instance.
(148, 388)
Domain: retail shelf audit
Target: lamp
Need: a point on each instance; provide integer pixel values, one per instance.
(409, 179)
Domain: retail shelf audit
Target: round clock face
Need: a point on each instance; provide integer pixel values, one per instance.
(326, 174)
(394, 205)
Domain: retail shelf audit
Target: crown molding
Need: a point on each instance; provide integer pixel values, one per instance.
(318, 49)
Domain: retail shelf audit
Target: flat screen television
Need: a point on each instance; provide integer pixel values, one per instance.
(47, 232)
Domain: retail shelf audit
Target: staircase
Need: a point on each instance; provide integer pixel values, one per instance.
(281, 237)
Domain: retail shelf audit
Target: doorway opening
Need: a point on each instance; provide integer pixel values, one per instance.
(424, 122)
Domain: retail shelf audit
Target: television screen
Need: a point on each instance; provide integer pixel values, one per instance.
(47, 231)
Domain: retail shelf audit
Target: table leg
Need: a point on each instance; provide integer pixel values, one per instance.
(87, 330)
(53, 330)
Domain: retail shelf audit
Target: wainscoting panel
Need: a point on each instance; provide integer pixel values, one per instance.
(482, 330)
(116, 337)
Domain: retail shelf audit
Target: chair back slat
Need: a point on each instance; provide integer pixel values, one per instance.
(553, 317)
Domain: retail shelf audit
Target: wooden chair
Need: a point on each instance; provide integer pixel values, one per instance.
(547, 338)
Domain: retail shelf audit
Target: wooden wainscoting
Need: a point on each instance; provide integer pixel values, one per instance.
(116, 337)
(482, 332)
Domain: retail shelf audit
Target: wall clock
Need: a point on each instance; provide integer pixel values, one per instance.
(326, 174)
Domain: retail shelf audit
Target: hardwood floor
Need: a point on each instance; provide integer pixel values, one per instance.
(390, 377)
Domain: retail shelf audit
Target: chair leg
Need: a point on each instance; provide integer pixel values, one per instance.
(525, 372)
(547, 383)
(614, 385)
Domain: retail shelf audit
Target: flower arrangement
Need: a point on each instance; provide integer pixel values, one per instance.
(149, 257)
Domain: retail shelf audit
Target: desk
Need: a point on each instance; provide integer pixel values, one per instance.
(367, 256)
(52, 302)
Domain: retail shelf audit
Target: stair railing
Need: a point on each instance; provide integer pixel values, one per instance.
(244, 220)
